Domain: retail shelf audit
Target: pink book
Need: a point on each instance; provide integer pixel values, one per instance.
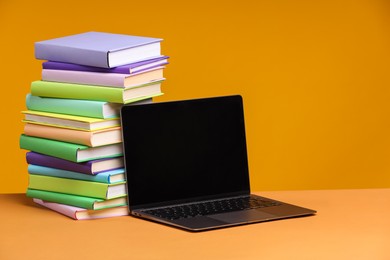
(81, 213)
(104, 79)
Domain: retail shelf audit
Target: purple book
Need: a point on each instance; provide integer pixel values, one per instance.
(90, 167)
(125, 69)
(98, 49)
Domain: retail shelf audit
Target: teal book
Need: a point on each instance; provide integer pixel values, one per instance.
(111, 176)
(76, 107)
(75, 200)
(69, 151)
(79, 107)
(77, 187)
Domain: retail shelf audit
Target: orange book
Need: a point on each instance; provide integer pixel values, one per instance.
(89, 138)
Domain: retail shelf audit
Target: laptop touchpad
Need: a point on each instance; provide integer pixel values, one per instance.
(243, 216)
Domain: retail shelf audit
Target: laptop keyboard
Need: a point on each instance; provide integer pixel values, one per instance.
(210, 207)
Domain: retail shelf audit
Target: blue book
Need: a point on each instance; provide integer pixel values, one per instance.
(98, 49)
(111, 176)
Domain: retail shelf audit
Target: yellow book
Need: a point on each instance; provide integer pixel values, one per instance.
(69, 121)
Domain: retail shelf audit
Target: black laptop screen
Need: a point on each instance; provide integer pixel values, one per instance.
(187, 149)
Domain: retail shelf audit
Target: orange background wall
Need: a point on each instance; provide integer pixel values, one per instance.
(314, 76)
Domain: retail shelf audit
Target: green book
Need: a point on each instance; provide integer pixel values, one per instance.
(93, 92)
(79, 107)
(69, 151)
(75, 200)
(87, 108)
(77, 187)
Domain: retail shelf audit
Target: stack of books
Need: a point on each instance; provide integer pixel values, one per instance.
(72, 127)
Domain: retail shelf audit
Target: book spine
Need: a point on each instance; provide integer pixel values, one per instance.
(59, 134)
(81, 213)
(68, 186)
(66, 210)
(68, 199)
(54, 172)
(124, 69)
(54, 148)
(53, 65)
(84, 77)
(87, 108)
(103, 177)
(54, 162)
(68, 151)
(76, 91)
(66, 54)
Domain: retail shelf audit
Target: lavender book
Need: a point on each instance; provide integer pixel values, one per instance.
(98, 49)
(124, 69)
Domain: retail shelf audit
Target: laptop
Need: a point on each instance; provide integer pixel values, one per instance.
(186, 165)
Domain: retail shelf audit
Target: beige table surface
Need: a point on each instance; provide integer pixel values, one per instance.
(350, 224)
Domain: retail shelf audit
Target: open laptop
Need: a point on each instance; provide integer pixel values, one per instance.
(186, 165)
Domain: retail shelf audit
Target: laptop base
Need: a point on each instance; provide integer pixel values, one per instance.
(233, 218)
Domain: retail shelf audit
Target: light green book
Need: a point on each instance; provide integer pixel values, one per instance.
(77, 187)
(75, 200)
(69, 151)
(93, 92)
(79, 107)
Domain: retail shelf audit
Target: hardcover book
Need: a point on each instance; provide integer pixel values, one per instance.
(89, 167)
(104, 79)
(75, 107)
(69, 121)
(95, 138)
(69, 151)
(75, 200)
(94, 92)
(98, 49)
(79, 107)
(110, 177)
(81, 213)
(124, 69)
(77, 187)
